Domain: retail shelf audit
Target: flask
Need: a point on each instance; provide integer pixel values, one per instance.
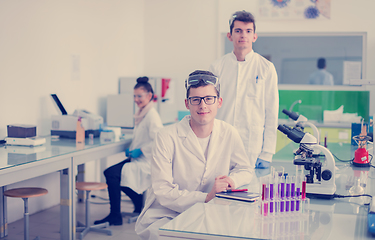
(80, 132)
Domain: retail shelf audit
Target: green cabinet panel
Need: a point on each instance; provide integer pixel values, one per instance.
(334, 135)
(315, 102)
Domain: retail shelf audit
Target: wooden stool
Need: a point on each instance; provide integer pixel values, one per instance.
(25, 194)
(88, 187)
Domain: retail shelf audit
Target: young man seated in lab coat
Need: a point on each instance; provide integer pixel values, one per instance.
(193, 159)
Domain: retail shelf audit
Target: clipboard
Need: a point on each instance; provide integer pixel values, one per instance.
(241, 196)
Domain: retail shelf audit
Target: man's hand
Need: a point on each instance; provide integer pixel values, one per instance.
(262, 163)
(222, 183)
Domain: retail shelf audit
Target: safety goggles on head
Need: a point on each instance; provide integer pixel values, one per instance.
(232, 19)
(240, 14)
(208, 79)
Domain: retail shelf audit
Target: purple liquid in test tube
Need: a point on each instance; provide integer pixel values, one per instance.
(287, 197)
(282, 195)
(292, 191)
(271, 198)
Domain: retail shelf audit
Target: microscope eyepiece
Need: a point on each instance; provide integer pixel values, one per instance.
(293, 134)
(290, 114)
(284, 129)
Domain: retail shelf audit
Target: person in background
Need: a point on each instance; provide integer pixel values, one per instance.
(193, 159)
(250, 92)
(321, 76)
(133, 175)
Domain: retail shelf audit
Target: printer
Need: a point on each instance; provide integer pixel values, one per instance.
(65, 125)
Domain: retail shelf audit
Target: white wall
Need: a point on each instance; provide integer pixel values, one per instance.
(37, 41)
(180, 37)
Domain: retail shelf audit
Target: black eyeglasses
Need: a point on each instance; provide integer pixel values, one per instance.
(209, 100)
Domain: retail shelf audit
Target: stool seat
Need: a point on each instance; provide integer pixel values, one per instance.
(26, 192)
(89, 186)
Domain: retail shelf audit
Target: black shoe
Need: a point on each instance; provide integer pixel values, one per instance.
(113, 220)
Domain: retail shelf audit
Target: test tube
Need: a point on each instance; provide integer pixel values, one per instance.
(304, 188)
(292, 193)
(265, 208)
(287, 194)
(271, 197)
(299, 170)
(263, 189)
(305, 204)
(298, 201)
(298, 192)
(282, 195)
(259, 208)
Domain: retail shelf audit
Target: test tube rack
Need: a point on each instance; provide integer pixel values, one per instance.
(283, 196)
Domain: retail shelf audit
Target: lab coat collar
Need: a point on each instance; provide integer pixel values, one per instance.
(247, 57)
(191, 141)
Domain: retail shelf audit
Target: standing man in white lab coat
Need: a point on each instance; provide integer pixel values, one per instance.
(193, 159)
(250, 92)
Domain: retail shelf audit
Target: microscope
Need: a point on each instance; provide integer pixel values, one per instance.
(320, 180)
(301, 122)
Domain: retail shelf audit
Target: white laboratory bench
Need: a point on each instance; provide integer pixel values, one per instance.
(343, 218)
(18, 163)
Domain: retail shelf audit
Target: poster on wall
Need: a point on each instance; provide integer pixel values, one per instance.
(294, 9)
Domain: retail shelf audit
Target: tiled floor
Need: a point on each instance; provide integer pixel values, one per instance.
(46, 224)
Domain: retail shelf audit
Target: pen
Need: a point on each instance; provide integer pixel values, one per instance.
(235, 190)
(256, 79)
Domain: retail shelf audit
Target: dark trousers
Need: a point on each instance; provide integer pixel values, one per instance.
(113, 178)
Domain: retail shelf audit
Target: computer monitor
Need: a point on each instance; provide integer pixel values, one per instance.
(59, 105)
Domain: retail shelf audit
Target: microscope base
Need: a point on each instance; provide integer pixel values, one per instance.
(316, 190)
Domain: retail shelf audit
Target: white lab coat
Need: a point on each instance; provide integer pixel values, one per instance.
(321, 77)
(181, 175)
(137, 173)
(250, 101)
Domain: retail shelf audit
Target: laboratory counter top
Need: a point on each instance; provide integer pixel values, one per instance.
(292, 123)
(342, 218)
(338, 218)
(340, 151)
(11, 156)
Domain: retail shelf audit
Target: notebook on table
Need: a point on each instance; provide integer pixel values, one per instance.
(242, 196)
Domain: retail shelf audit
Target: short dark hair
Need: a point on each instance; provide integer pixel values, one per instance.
(142, 82)
(321, 63)
(242, 16)
(200, 83)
